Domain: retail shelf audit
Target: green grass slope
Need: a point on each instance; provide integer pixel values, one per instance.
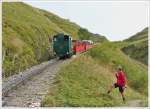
(110, 54)
(84, 82)
(137, 46)
(26, 31)
(140, 35)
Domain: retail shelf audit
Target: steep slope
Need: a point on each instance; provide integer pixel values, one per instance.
(137, 46)
(26, 32)
(139, 36)
(85, 81)
(98, 38)
(73, 29)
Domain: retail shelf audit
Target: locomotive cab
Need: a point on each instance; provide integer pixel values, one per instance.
(62, 45)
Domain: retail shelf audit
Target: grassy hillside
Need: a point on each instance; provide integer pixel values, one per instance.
(137, 46)
(98, 38)
(110, 54)
(85, 81)
(139, 36)
(26, 32)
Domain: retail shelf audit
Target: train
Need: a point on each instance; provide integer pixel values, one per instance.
(64, 46)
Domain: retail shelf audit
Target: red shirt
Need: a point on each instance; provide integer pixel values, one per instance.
(121, 79)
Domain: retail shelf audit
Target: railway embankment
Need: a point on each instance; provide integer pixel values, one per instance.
(29, 89)
(15, 80)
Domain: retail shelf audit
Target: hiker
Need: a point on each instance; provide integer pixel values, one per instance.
(121, 82)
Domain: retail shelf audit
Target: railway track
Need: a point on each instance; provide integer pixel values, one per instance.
(28, 90)
(12, 81)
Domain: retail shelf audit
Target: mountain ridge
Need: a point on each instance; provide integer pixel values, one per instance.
(137, 46)
(139, 35)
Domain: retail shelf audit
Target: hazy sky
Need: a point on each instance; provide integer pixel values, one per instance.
(115, 20)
